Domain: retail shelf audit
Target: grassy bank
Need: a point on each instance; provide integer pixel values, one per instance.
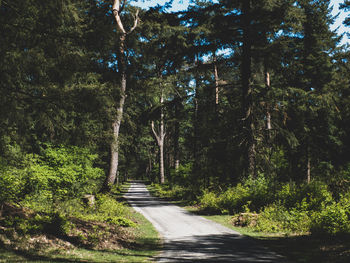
(109, 231)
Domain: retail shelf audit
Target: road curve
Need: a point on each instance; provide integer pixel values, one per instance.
(192, 238)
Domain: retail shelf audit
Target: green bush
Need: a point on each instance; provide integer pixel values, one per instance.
(252, 195)
(108, 206)
(316, 194)
(121, 221)
(312, 197)
(233, 199)
(334, 219)
(58, 173)
(209, 202)
(260, 191)
(277, 218)
(11, 184)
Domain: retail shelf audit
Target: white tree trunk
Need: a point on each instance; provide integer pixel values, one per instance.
(160, 139)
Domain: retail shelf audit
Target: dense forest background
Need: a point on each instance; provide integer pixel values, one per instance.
(239, 105)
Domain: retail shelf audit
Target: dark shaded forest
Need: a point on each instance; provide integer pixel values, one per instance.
(236, 106)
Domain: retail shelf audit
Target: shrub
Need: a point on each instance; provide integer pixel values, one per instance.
(287, 195)
(108, 206)
(121, 221)
(59, 173)
(312, 197)
(234, 198)
(11, 184)
(209, 202)
(260, 192)
(276, 218)
(316, 194)
(332, 220)
(252, 195)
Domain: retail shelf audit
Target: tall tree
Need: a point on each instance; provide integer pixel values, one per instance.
(118, 7)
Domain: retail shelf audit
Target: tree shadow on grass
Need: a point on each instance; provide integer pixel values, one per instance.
(10, 254)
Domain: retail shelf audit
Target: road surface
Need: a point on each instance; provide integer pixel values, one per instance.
(192, 238)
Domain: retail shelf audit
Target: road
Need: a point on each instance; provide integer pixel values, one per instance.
(192, 238)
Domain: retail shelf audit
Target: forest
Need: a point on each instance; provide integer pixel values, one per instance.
(237, 107)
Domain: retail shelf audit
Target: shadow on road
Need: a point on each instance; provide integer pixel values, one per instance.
(216, 248)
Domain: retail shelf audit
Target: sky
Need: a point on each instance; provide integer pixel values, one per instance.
(179, 5)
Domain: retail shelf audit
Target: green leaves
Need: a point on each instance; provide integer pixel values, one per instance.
(59, 173)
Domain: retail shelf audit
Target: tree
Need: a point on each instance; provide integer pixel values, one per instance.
(118, 7)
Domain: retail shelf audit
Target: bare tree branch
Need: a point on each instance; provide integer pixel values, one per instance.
(136, 20)
(155, 133)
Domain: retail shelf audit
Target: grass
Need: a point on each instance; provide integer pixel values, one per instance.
(134, 244)
(145, 245)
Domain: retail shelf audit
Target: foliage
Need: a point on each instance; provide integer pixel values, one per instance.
(58, 173)
(173, 192)
(333, 219)
(250, 195)
(287, 207)
(209, 202)
(277, 218)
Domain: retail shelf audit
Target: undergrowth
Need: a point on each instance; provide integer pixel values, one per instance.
(272, 207)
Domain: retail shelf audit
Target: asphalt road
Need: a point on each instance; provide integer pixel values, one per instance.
(192, 238)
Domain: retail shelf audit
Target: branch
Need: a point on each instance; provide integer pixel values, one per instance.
(154, 132)
(136, 20)
(116, 12)
(164, 134)
(116, 7)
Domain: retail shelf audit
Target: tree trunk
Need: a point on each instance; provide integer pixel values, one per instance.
(196, 156)
(247, 89)
(114, 148)
(268, 109)
(216, 77)
(113, 171)
(160, 139)
(176, 139)
(308, 166)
